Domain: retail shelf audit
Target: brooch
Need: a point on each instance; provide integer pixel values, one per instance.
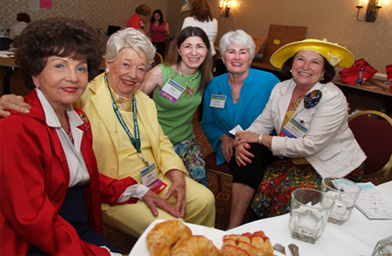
(189, 91)
(84, 119)
(312, 98)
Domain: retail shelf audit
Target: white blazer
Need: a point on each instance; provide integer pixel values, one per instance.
(329, 145)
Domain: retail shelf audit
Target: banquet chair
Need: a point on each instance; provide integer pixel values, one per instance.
(219, 170)
(373, 131)
(158, 59)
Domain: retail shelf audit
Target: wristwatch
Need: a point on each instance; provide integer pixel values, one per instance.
(260, 141)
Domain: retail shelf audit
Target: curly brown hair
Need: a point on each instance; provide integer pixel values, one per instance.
(63, 37)
(144, 10)
(201, 10)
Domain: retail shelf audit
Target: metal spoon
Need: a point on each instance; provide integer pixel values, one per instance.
(294, 249)
(280, 248)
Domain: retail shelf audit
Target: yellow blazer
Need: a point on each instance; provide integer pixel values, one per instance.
(97, 104)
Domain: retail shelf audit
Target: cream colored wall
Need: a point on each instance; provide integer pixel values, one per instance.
(98, 13)
(334, 20)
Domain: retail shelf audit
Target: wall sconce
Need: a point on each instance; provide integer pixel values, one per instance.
(224, 8)
(371, 11)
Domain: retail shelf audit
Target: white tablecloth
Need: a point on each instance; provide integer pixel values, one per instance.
(358, 236)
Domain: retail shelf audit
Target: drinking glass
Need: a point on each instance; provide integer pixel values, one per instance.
(383, 247)
(345, 193)
(309, 213)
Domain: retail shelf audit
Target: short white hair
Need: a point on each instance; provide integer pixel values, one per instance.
(238, 37)
(129, 38)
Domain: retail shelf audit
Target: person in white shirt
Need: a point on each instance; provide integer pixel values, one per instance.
(309, 115)
(17, 28)
(201, 16)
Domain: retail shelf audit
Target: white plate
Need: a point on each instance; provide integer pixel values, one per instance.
(215, 235)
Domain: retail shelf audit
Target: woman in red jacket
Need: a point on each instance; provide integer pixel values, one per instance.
(50, 188)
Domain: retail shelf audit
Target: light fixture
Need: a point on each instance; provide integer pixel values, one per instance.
(371, 11)
(224, 8)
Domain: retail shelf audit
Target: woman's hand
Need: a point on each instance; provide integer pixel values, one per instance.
(153, 201)
(13, 102)
(241, 144)
(245, 137)
(227, 146)
(242, 155)
(177, 189)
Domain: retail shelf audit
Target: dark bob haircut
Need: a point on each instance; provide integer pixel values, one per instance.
(173, 57)
(329, 70)
(63, 37)
(22, 16)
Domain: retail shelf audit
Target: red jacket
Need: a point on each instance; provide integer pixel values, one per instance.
(34, 179)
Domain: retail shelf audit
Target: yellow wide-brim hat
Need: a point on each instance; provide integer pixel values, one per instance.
(336, 55)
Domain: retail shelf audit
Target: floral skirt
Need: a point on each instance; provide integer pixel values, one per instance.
(273, 197)
(190, 153)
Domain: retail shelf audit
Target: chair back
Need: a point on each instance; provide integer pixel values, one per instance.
(158, 58)
(112, 30)
(373, 131)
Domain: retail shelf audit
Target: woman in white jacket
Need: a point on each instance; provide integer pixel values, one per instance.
(309, 115)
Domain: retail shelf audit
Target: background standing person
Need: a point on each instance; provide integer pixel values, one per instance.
(141, 16)
(178, 86)
(309, 114)
(243, 94)
(17, 28)
(158, 30)
(201, 16)
(51, 193)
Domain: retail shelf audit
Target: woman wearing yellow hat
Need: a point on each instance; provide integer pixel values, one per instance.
(309, 114)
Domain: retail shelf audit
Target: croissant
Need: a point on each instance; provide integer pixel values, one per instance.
(195, 246)
(164, 235)
(256, 244)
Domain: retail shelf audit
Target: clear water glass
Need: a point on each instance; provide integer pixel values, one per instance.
(309, 214)
(345, 193)
(383, 247)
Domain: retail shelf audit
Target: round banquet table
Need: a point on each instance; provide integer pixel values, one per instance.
(358, 236)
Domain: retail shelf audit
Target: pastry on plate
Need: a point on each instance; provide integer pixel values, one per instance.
(194, 246)
(164, 235)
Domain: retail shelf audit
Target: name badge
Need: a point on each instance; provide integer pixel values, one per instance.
(150, 179)
(172, 90)
(293, 129)
(217, 101)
